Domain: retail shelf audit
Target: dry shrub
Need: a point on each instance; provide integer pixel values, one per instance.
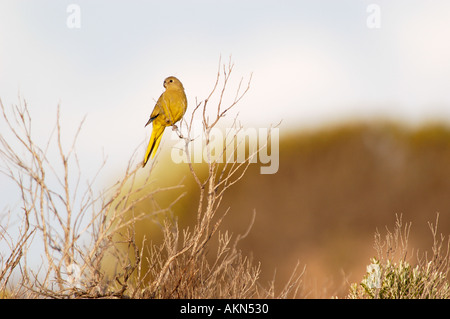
(83, 234)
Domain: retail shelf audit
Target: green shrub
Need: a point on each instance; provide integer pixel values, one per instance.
(387, 278)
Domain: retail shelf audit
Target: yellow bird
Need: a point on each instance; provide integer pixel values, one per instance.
(168, 110)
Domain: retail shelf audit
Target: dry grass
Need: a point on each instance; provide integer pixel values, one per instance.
(83, 235)
(396, 275)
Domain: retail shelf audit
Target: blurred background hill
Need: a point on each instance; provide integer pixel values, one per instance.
(335, 187)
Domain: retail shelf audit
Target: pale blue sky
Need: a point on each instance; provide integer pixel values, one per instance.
(313, 62)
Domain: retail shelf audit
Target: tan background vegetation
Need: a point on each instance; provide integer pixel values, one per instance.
(335, 188)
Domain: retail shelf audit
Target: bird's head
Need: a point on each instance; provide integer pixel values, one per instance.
(172, 83)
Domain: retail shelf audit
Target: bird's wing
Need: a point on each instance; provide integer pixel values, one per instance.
(157, 110)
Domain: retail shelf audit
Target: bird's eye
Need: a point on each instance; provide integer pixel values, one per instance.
(171, 81)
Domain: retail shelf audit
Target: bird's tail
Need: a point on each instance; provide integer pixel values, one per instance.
(153, 144)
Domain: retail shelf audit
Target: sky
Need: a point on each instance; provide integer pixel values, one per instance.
(312, 62)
